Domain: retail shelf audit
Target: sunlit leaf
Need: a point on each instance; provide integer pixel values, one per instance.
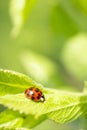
(58, 105)
(12, 82)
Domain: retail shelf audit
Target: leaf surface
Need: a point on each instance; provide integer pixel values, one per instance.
(12, 82)
(60, 106)
(10, 120)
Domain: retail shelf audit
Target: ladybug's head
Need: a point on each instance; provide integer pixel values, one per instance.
(42, 99)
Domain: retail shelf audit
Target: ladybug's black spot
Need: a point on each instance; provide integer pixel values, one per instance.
(30, 88)
(38, 97)
(42, 96)
(32, 98)
(36, 90)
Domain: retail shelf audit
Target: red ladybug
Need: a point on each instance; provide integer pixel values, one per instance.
(34, 94)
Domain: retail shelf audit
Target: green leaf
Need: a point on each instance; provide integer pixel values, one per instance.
(13, 119)
(41, 69)
(74, 58)
(8, 115)
(11, 125)
(31, 122)
(19, 11)
(12, 82)
(59, 106)
(85, 87)
(10, 120)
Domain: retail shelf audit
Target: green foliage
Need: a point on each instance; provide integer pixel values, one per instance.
(33, 63)
(85, 87)
(19, 11)
(60, 106)
(51, 49)
(74, 56)
(13, 119)
(13, 83)
(10, 120)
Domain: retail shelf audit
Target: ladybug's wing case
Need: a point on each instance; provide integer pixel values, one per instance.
(27, 93)
(34, 94)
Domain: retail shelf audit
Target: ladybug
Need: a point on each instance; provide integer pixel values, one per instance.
(34, 94)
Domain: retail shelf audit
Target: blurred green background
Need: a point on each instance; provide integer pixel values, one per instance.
(51, 47)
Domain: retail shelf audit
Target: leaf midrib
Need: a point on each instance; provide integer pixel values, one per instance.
(12, 85)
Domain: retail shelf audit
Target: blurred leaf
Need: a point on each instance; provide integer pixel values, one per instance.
(18, 120)
(74, 56)
(74, 13)
(19, 11)
(83, 4)
(10, 120)
(61, 22)
(12, 125)
(30, 121)
(12, 82)
(85, 87)
(42, 69)
(8, 115)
